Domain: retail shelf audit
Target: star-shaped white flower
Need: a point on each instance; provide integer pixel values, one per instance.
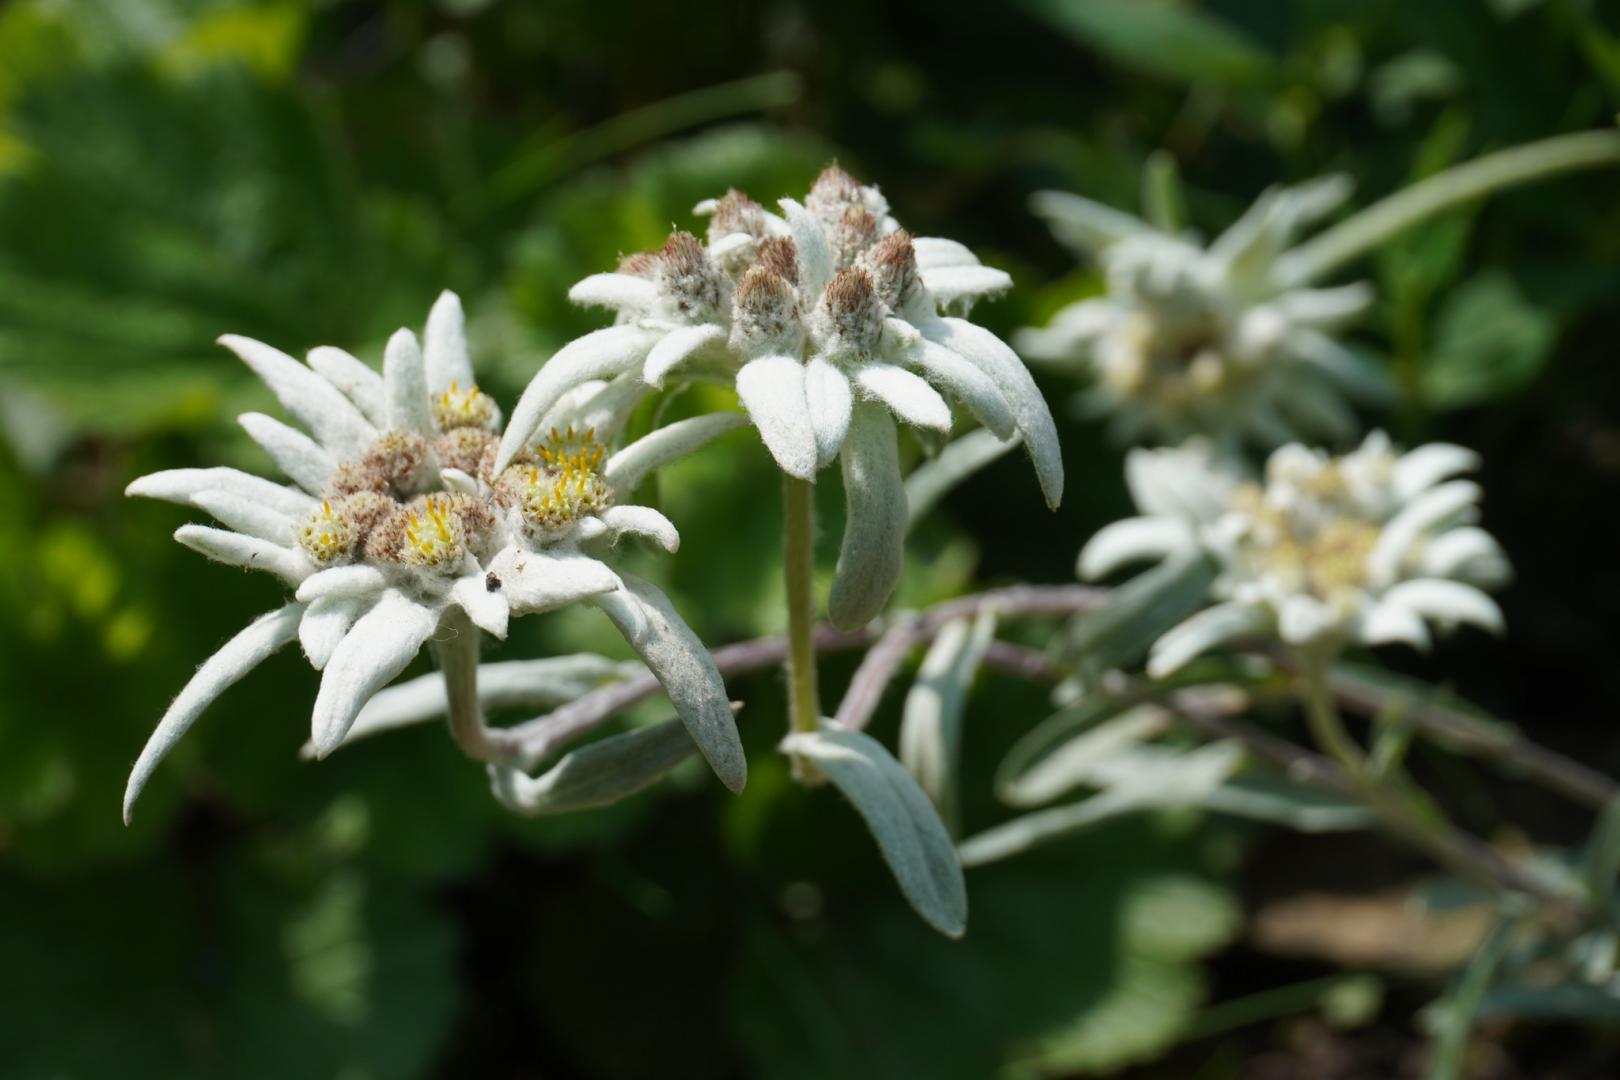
(1221, 341)
(829, 320)
(1366, 548)
(395, 519)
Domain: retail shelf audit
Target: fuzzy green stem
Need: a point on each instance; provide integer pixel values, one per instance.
(456, 650)
(1503, 169)
(804, 704)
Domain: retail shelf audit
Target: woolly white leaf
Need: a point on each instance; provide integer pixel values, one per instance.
(456, 480)
(536, 581)
(487, 608)
(677, 347)
(248, 552)
(626, 469)
(299, 457)
(1468, 553)
(1424, 512)
(1200, 633)
(815, 256)
(357, 580)
(829, 398)
(641, 521)
(405, 380)
(908, 831)
(1448, 602)
(1085, 225)
(964, 284)
(183, 486)
(992, 356)
(1079, 760)
(931, 721)
(325, 623)
(620, 292)
(316, 403)
(966, 383)
(1303, 619)
(377, 648)
(1420, 469)
(247, 517)
(601, 354)
(875, 520)
(357, 381)
(235, 658)
(444, 349)
(772, 390)
(1132, 539)
(674, 654)
(1385, 623)
(936, 252)
(907, 395)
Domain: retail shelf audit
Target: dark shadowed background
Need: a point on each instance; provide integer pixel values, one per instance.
(171, 170)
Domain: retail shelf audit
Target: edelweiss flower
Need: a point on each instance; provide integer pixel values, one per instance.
(400, 528)
(827, 319)
(1326, 551)
(1221, 341)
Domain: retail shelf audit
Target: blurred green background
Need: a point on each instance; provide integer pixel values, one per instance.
(315, 173)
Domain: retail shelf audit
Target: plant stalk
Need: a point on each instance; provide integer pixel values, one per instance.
(456, 651)
(799, 565)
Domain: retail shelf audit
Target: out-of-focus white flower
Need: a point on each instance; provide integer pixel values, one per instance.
(1217, 341)
(396, 518)
(829, 320)
(1367, 548)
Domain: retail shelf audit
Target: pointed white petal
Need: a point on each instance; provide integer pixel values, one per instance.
(236, 658)
(248, 552)
(772, 390)
(1084, 225)
(378, 647)
(1127, 541)
(627, 468)
(1177, 482)
(247, 517)
(444, 348)
(641, 521)
(815, 256)
(992, 356)
(870, 557)
(677, 347)
(1421, 469)
(343, 581)
(1325, 309)
(316, 403)
(536, 581)
(828, 395)
(325, 623)
(1386, 623)
(183, 486)
(1304, 619)
(487, 608)
(299, 457)
(674, 654)
(907, 395)
(952, 285)
(601, 354)
(1448, 602)
(1470, 554)
(354, 378)
(620, 292)
(964, 382)
(1200, 633)
(406, 390)
(1423, 513)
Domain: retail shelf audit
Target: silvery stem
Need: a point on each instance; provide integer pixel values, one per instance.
(804, 701)
(456, 650)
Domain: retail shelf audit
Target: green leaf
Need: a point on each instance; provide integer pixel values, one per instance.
(1140, 611)
(1036, 770)
(1489, 342)
(904, 823)
(1453, 1017)
(931, 721)
(1161, 37)
(599, 774)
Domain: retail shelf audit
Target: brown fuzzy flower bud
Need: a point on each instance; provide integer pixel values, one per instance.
(767, 308)
(463, 448)
(891, 263)
(393, 465)
(694, 285)
(735, 212)
(780, 257)
(640, 264)
(833, 192)
(855, 231)
(852, 310)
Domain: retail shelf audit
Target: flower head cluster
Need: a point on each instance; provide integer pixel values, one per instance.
(830, 320)
(1324, 551)
(398, 526)
(1221, 341)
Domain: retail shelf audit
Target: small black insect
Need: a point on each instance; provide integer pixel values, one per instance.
(491, 582)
